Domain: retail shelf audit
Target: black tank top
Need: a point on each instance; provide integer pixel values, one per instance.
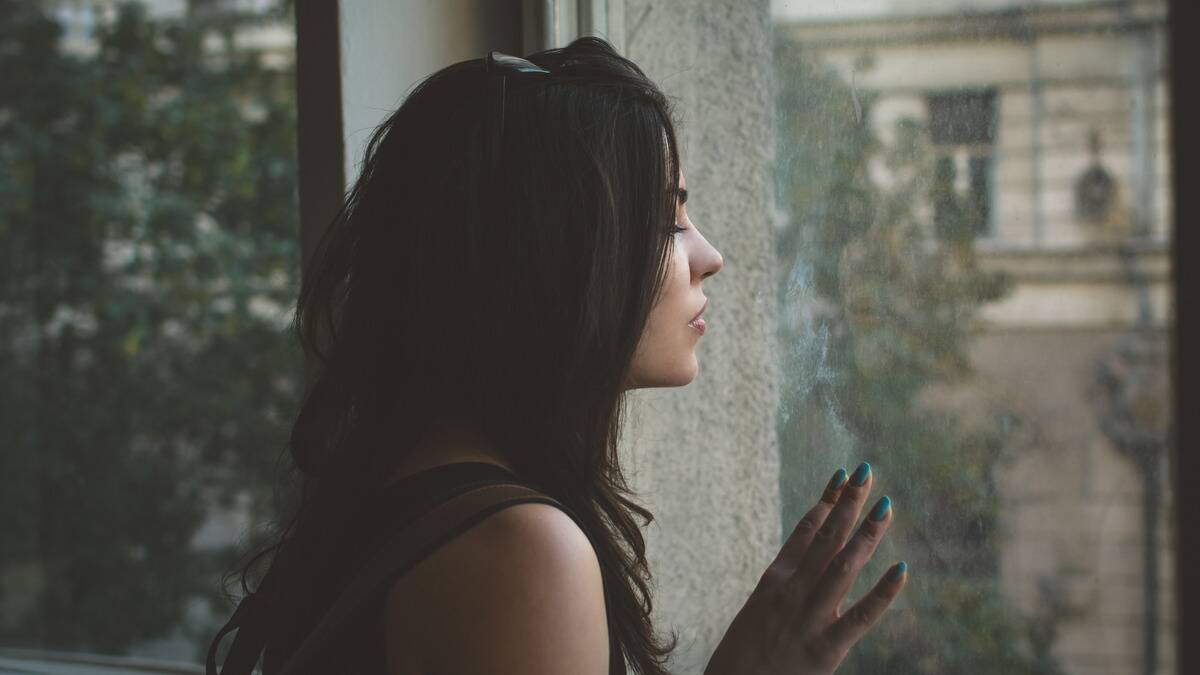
(406, 500)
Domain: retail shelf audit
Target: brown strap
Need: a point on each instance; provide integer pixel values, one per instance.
(424, 535)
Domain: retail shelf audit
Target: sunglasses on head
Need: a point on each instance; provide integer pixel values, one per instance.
(498, 68)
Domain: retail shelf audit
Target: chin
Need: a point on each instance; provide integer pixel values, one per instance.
(689, 373)
(665, 365)
(677, 375)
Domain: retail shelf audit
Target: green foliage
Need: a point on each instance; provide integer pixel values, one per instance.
(148, 228)
(877, 303)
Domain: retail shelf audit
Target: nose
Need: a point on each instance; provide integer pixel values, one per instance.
(714, 262)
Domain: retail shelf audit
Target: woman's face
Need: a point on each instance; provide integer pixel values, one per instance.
(665, 355)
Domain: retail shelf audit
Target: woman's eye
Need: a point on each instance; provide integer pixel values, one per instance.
(675, 229)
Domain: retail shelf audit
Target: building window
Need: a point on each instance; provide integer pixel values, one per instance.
(962, 128)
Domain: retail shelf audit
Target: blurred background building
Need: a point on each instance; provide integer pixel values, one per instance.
(1052, 118)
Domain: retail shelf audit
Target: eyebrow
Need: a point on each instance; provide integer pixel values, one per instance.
(682, 195)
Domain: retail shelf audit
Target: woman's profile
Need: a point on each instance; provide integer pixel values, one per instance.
(515, 256)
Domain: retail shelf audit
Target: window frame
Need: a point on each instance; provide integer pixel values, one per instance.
(1185, 365)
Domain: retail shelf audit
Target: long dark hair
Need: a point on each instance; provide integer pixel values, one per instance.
(521, 319)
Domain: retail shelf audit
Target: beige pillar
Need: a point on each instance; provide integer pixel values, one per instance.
(705, 457)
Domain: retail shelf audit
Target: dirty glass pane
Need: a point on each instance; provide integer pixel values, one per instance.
(974, 292)
(148, 256)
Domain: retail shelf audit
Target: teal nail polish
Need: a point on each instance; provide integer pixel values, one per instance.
(881, 508)
(839, 477)
(898, 571)
(860, 475)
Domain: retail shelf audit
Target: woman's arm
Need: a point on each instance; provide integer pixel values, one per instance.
(520, 592)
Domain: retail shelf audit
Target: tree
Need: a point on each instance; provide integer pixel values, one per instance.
(148, 223)
(877, 298)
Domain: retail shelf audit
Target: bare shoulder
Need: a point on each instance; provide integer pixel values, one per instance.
(520, 591)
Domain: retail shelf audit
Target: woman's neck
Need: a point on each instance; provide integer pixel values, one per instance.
(448, 442)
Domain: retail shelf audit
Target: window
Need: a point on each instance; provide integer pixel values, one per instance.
(992, 325)
(962, 128)
(147, 378)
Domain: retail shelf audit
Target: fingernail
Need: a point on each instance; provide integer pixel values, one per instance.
(881, 508)
(860, 475)
(839, 478)
(898, 571)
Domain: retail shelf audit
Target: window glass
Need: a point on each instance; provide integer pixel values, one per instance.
(148, 237)
(973, 287)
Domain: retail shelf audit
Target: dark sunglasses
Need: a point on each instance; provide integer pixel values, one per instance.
(499, 67)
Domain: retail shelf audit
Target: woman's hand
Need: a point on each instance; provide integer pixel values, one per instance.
(791, 624)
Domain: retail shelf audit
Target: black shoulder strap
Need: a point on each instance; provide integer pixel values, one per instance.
(429, 531)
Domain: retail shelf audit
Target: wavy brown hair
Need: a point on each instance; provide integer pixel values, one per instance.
(519, 315)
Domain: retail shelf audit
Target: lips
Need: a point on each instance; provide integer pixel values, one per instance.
(697, 323)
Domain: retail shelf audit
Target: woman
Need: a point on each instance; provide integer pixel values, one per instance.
(515, 256)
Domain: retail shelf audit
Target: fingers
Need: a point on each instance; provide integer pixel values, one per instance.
(832, 491)
(802, 535)
(844, 568)
(843, 633)
(832, 534)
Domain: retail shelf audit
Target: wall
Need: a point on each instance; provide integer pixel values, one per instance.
(705, 456)
(387, 47)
